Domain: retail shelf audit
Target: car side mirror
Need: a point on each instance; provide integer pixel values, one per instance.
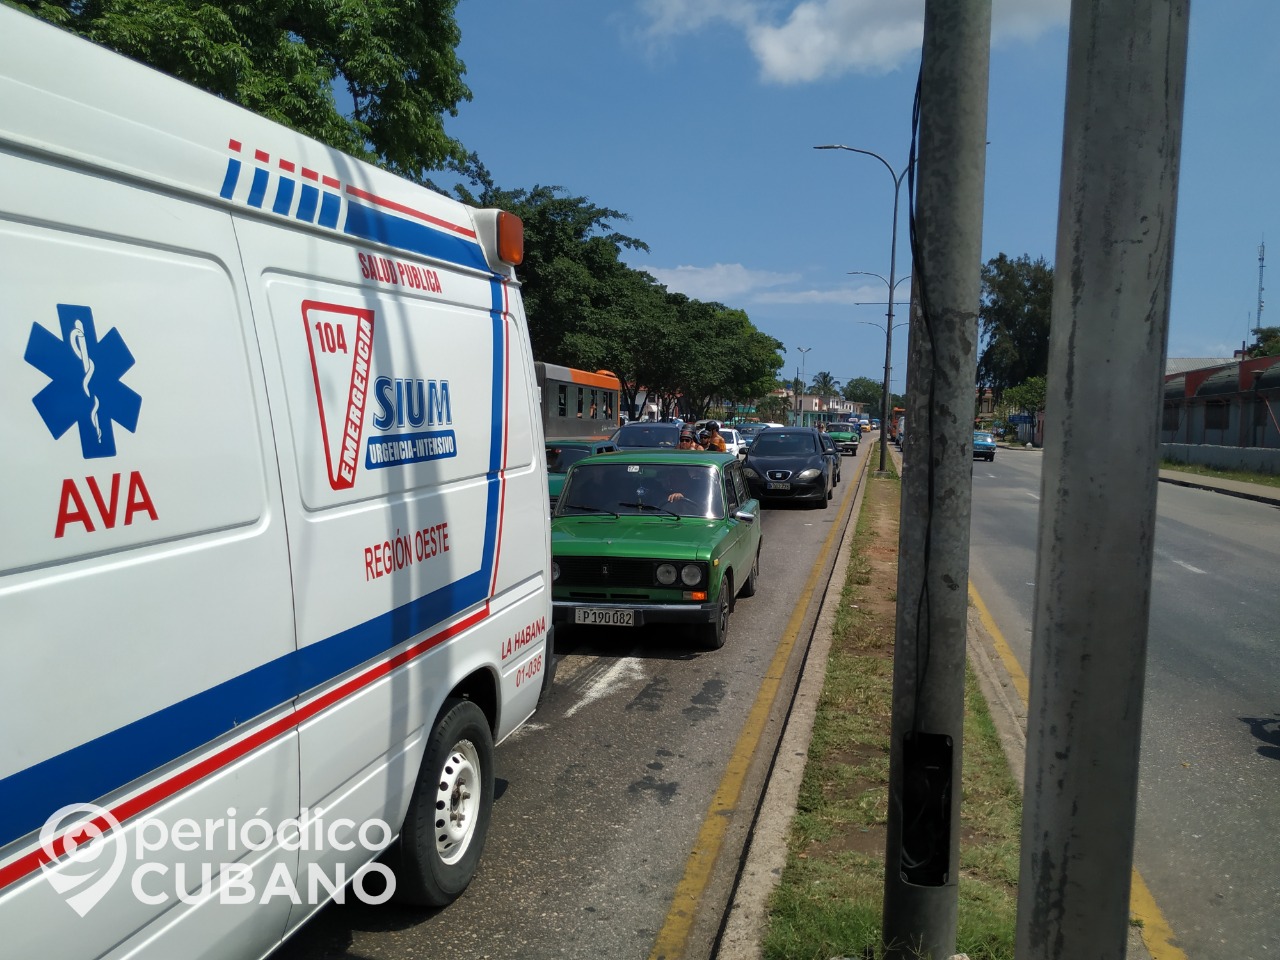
(746, 515)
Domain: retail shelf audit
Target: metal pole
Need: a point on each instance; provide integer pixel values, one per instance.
(921, 900)
(1126, 71)
(888, 327)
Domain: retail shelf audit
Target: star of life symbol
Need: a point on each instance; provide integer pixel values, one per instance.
(84, 374)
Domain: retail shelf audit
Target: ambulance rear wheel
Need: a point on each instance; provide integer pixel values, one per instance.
(448, 818)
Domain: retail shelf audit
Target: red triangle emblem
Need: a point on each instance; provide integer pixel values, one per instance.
(340, 341)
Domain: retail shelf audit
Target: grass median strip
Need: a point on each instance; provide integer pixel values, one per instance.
(828, 903)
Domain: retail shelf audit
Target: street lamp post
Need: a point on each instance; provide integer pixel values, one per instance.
(893, 251)
(888, 329)
(800, 386)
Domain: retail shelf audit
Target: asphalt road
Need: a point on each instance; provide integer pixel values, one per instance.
(601, 798)
(1209, 786)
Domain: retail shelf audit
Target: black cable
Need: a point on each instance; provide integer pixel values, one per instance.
(926, 319)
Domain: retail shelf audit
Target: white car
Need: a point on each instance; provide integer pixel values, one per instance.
(732, 440)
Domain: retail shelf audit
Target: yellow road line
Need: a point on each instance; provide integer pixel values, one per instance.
(675, 930)
(1156, 932)
(1002, 647)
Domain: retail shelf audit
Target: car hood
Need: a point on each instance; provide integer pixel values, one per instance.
(689, 538)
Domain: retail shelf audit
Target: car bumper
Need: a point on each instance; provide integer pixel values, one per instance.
(562, 611)
(816, 490)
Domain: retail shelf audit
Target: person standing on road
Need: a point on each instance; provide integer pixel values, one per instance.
(714, 441)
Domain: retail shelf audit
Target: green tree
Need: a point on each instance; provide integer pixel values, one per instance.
(1026, 397)
(1266, 342)
(864, 390)
(581, 299)
(396, 59)
(824, 385)
(773, 408)
(1014, 321)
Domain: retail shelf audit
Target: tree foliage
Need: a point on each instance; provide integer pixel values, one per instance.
(1014, 321)
(1026, 397)
(588, 309)
(864, 390)
(824, 385)
(396, 59)
(1266, 342)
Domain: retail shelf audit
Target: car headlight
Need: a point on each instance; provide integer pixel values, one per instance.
(666, 574)
(750, 473)
(811, 474)
(555, 570)
(691, 575)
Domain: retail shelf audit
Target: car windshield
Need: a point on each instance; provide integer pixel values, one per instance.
(783, 444)
(841, 428)
(683, 490)
(729, 436)
(647, 435)
(560, 459)
(986, 437)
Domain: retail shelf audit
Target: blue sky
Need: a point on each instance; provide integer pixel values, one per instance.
(698, 118)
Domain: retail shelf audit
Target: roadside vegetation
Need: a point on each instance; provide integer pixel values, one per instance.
(1244, 476)
(829, 901)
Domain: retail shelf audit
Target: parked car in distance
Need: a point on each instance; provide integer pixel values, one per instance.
(789, 463)
(646, 537)
(846, 435)
(647, 434)
(563, 454)
(984, 445)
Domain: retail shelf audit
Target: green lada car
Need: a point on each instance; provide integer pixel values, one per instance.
(846, 436)
(643, 538)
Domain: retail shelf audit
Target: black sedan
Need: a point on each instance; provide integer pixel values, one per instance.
(790, 463)
(647, 435)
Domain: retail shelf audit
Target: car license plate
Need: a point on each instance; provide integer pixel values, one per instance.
(604, 617)
(775, 485)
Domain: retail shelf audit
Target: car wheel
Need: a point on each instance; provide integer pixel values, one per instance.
(448, 818)
(749, 585)
(991, 459)
(716, 632)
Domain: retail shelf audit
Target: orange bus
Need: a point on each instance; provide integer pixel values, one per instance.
(577, 403)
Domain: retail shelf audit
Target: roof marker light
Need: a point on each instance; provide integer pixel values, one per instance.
(510, 238)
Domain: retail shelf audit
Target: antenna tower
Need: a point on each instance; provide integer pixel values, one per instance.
(1262, 256)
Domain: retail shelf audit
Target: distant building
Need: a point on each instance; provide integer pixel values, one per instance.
(1233, 402)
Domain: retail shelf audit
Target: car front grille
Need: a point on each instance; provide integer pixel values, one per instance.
(778, 474)
(605, 572)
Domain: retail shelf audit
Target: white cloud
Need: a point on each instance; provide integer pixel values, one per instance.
(817, 39)
(726, 283)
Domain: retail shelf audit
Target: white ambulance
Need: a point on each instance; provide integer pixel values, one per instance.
(274, 547)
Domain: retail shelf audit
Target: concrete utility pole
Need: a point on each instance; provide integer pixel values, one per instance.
(923, 839)
(1126, 70)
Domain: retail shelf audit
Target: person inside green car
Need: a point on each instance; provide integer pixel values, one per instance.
(663, 488)
(688, 488)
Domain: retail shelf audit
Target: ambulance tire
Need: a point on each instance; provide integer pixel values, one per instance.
(448, 817)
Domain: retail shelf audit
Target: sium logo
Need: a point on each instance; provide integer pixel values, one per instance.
(412, 404)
